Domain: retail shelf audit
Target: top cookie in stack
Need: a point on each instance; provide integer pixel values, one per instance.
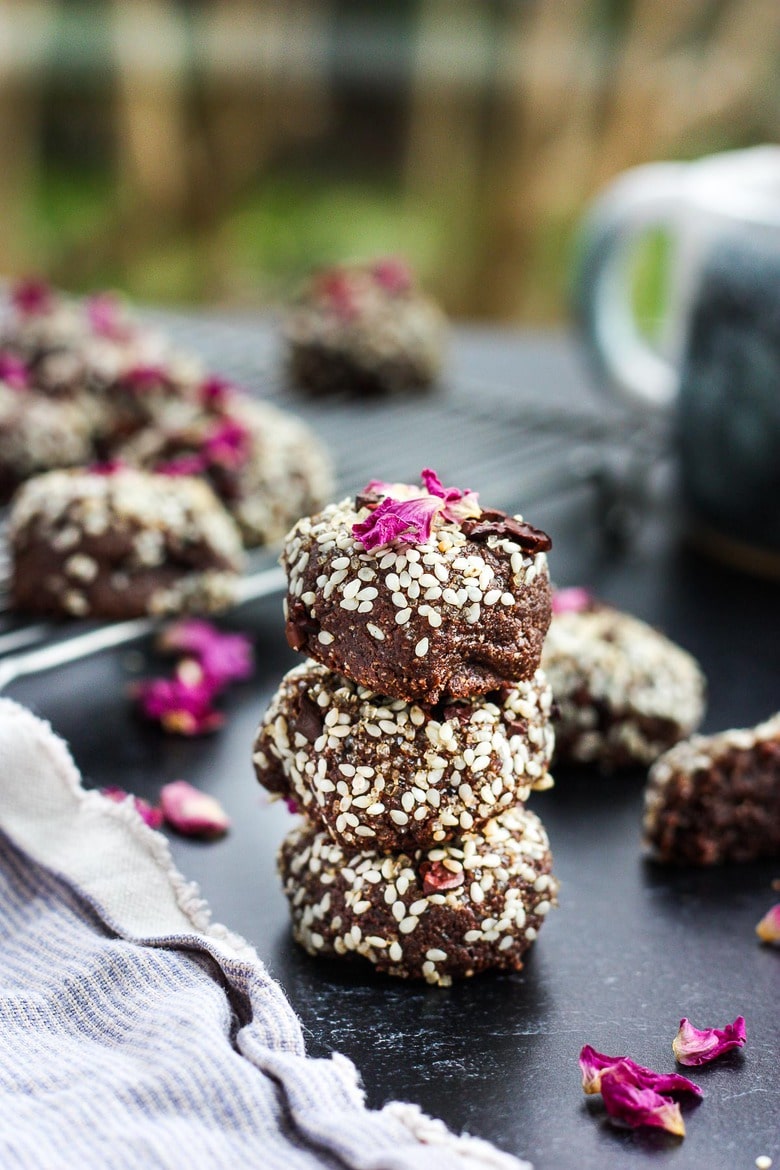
(458, 608)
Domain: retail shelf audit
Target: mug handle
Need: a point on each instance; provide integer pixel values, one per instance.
(645, 197)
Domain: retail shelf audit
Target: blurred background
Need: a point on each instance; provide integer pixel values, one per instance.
(192, 151)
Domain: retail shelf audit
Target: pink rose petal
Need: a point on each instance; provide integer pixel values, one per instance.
(458, 504)
(182, 706)
(106, 317)
(228, 445)
(693, 1046)
(768, 929)
(394, 275)
(216, 391)
(183, 465)
(572, 600)
(632, 1106)
(13, 371)
(32, 297)
(223, 658)
(405, 521)
(593, 1064)
(151, 816)
(191, 812)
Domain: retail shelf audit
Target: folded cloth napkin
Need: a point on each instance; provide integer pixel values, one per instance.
(135, 1033)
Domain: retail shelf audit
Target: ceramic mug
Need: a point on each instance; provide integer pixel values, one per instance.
(716, 363)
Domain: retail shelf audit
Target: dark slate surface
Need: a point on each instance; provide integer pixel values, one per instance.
(633, 946)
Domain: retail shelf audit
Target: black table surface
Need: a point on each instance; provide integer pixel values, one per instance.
(633, 946)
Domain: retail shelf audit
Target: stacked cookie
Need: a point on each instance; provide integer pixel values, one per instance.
(412, 736)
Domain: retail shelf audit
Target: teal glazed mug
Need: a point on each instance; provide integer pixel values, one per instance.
(715, 365)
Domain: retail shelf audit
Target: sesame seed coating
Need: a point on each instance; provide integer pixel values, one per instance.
(349, 333)
(409, 785)
(450, 618)
(624, 692)
(412, 916)
(714, 799)
(121, 545)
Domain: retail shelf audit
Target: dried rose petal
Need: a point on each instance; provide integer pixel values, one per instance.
(32, 297)
(407, 521)
(291, 805)
(223, 658)
(228, 445)
(436, 877)
(216, 391)
(143, 379)
(692, 1046)
(183, 465)
(394, 275)
(572, 600)
(594, 1064)
(768, 929)
(336, 288)
(106, 317)
(192, 813)
(107, 467)
(629, 1105)
(13, 371)
(149, 815)
(458, 505)
(182, 706)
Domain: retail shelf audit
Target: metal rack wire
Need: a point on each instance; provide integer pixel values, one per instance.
(513, 447)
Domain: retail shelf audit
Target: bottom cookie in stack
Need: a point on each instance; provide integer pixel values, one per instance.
(466, 905)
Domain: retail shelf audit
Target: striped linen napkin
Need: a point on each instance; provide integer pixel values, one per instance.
(134, 1032)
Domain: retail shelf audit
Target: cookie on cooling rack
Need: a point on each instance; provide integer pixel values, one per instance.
(266, 466)
(714, 799)
(624, 693)
(389, 775)
(121, 543)
(418, 593)
(364, 329)
(473, 903)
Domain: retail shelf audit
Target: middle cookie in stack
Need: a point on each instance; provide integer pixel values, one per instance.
(418, 853)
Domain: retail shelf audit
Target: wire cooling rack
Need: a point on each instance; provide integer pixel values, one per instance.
(516, 442)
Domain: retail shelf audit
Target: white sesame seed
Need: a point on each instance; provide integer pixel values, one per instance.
(472, 936)
(375, 632)
(399, 817)
(507, 599)
(324, 638)
(351, 589)
(407, 925)
(421, 649)
(418, 907)
(435, 955)
(476, 892)
(395, 951)
(375, 941)
(402, 617)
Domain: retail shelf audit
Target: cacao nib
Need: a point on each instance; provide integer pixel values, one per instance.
(366, 499)
(493, 522)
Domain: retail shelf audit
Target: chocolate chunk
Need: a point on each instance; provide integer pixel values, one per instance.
(309, 721)
(367, 500)
(493, 522)
(300, 624)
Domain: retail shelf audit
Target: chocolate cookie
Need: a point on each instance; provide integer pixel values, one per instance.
(473, 903)
(364, 329)
(266, 466)
(457, 608)
(121, 543)
(714, 799)
(624, 693)
(384, 774)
